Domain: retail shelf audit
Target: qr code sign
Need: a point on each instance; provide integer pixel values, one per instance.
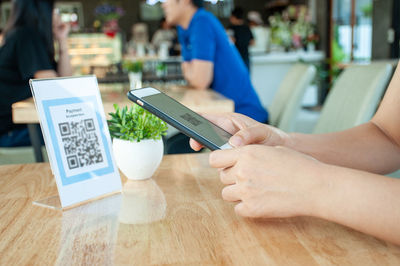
(81, 143)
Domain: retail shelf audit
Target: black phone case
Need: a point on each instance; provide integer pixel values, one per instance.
(182, 128)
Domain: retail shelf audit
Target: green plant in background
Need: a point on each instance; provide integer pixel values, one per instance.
(133, 66)
(280, 31)
(293, 28)
(367, 10)
(107, 15)
(329, 70)
(109, 10)
(135, 124)
(161, 69)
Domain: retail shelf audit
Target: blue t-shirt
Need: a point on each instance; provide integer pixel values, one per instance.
(206, 39)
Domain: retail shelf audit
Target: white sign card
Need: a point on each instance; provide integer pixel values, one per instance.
(77, 139)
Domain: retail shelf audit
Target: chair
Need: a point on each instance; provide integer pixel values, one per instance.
(16, 155)
(286, 103)
(19, 155)
(354, 97)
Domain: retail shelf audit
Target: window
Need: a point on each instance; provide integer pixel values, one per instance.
(352, 22)
(151, 9)
(221, 8)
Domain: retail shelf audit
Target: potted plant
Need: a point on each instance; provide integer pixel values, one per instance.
(137, 142)
(134, 69)
(161, 70)
(107, 15)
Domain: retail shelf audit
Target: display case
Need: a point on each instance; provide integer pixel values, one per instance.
(70, 12)
(93, 50)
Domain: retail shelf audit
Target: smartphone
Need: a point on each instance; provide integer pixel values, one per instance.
(182, 118)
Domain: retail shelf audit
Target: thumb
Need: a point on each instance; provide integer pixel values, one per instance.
(255, 134)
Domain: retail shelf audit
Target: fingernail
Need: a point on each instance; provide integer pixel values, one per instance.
(236, 141)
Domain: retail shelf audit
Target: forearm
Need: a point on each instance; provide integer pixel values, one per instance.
(198, 73)
(365, 147)
(190, 77)
(187, 71)
(63, 65)
(366, 202)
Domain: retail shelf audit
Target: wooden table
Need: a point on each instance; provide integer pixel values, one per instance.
(178, 217)
(24, 112)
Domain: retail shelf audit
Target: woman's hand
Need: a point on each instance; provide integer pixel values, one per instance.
(60, 32)
(245, 131)
(269, 181)
(60, 29)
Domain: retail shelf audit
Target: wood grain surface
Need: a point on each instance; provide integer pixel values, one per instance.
(176, 218)
(24, 112)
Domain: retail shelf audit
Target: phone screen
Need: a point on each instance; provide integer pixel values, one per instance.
(188, 118)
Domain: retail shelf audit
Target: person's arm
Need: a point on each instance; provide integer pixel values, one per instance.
(63, 65)
(373, 146)
(44, 74)
(274, 181)
(198, 65)
(364, 201)
(366, 147)
(199, 73)
(61, 31)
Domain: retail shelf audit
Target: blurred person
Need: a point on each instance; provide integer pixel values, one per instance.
(210, 60)
(242, 35)
(139, 40)
(165, 34)
(335, 176)
(254, 19)
(259, 31)
(27, 51)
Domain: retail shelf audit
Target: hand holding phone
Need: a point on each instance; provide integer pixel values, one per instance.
(182, 118)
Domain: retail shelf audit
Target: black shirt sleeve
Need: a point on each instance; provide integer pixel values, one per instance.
(32, 54)
(250, 34)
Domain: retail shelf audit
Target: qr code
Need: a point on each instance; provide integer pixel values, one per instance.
(81, 143)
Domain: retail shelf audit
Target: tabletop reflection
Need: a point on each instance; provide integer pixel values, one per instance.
(142, 202)
(90, 231)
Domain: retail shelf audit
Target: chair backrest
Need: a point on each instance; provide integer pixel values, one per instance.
(16, 155)
(20, 155)
(354, 97)
(286, 103)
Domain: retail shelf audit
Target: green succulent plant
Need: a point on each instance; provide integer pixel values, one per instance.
(135, 124)
(133, 66)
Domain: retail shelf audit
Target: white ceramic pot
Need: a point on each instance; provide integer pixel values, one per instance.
(138, 160)
(310, 47)
(135, 80)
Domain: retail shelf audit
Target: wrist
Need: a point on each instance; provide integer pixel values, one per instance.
(289, 140)
(62, 49)
(63, 41)
(323, 195)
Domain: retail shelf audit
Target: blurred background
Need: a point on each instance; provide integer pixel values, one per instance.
(343, 30)
(112, 38)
